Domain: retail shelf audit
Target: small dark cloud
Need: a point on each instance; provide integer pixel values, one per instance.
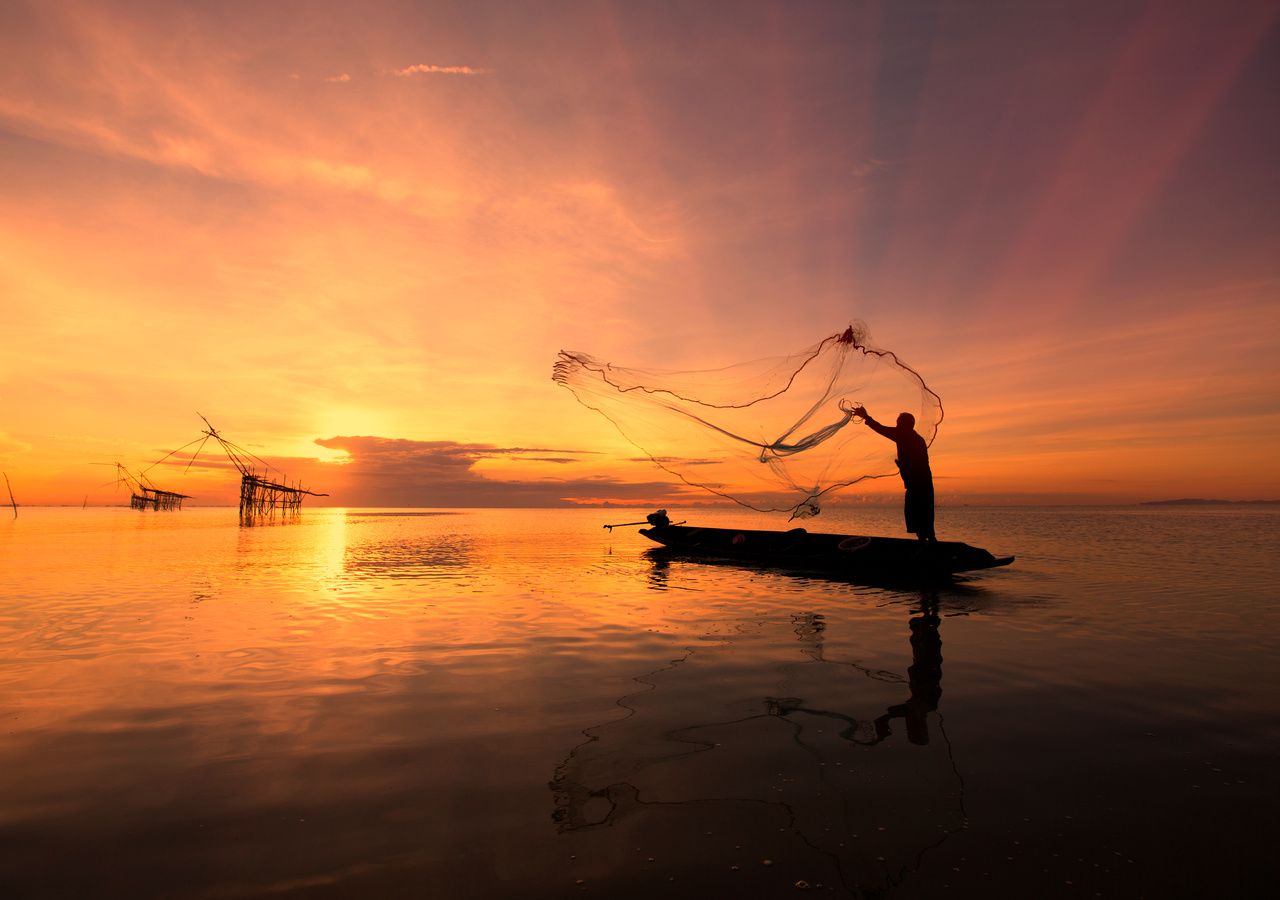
(400, 472)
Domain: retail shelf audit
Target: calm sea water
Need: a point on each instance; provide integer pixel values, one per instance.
(381, 703)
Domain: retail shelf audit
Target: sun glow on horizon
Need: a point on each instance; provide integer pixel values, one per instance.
(358, 237)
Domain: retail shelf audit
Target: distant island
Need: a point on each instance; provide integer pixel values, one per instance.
(1197, 501)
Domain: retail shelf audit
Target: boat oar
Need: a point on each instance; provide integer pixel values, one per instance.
(646, 522)
(624, 525)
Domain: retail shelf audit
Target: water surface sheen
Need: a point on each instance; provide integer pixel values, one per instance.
(521, 704)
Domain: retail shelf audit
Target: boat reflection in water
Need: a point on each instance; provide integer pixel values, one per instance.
(698, 780)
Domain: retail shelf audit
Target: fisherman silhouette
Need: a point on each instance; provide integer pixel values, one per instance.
(913, 466)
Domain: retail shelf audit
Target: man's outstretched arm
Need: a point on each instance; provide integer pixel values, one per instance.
(886, 430)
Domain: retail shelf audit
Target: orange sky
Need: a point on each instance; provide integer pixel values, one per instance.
(356, 235)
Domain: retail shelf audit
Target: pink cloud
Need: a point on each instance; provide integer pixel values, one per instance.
(428, 69)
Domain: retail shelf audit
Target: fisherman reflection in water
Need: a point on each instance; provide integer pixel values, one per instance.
(924, 680)
(924, 677)
(913, 465)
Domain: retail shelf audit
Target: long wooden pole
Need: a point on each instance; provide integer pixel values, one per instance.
(10, 489)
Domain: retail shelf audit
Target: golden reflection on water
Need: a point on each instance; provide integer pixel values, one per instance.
(333, 544)
(497, 701)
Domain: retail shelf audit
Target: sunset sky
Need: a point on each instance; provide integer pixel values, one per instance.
(356, 235)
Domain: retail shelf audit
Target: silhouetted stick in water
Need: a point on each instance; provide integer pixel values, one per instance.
(11, 500)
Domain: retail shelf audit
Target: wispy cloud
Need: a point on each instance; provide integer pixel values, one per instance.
(11, 445)
(870, 166)
(674, 460)
(428, 69)
(339, 78)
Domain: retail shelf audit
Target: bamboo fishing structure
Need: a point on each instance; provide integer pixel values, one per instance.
(152, 498)
(262, 499)
(143, 494)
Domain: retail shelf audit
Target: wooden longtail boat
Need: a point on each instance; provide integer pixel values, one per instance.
(853, 556)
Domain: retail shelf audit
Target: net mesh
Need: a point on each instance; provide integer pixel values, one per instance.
(773, 434)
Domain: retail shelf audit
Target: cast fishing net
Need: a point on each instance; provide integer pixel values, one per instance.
(773, 435)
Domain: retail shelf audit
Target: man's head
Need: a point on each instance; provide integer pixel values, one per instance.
(906, 420)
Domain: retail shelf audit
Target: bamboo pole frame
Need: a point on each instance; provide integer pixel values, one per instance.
(261, 499)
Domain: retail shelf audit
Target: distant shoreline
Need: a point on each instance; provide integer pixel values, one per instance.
(1196, 501)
